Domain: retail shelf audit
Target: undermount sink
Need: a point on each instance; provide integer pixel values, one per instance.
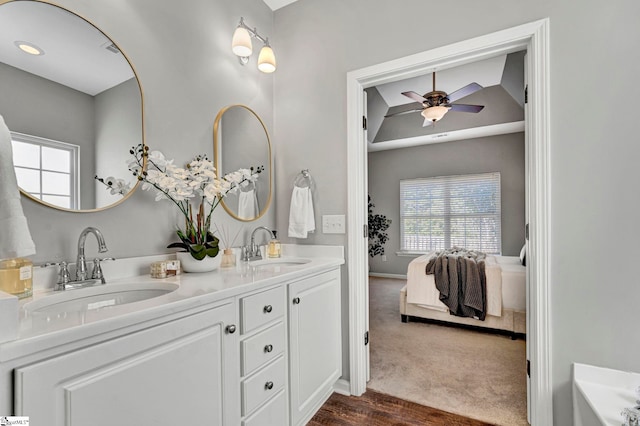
(95, 298)
(278, 263)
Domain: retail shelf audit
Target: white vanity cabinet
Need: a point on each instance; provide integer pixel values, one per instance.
(263, 358)
(315, 342)
(263, 352)
(181, 372)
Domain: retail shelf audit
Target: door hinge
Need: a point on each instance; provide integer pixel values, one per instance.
(366, 338)
(364, 122)
(526, 232)
(526, 94)
(366, 231)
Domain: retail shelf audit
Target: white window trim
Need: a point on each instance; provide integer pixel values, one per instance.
(74, 166)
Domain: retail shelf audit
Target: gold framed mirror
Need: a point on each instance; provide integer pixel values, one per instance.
(73, 103)
(241, 140)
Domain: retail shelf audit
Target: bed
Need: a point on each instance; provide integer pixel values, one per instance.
(505, 296)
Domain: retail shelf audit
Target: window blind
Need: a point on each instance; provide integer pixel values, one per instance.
(442, 212)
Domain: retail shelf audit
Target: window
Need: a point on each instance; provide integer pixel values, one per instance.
(442, 212)
(46, 169)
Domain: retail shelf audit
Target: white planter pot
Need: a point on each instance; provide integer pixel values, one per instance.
(189, 264)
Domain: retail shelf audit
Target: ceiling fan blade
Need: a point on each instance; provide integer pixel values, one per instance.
(465, 91)
(415, 96)
(466, 108)
(403, 112)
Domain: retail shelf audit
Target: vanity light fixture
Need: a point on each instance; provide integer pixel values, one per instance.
(29, 48)
(241, 46)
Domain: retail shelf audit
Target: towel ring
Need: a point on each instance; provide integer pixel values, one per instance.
(303, 180)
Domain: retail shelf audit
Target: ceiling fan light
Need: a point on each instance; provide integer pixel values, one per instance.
(434, 113)
(267, 60)
(241, 43)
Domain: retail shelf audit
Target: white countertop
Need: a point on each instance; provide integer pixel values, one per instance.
(38, 331)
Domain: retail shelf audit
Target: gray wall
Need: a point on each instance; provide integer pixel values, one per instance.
(183, 58)
(376, 110)
(39, 107)
(504, 154)
(118, 113)
(593, 159)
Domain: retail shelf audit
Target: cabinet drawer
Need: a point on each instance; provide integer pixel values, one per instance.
(262, 386)
(262, 347)
(261, 308)
(274, 413)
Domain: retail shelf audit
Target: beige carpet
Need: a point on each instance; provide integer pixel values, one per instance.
(475, 374)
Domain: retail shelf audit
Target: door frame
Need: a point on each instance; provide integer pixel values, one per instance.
(534, 37)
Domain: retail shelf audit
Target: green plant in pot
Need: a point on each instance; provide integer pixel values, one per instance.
(195, 189)
(377, 227)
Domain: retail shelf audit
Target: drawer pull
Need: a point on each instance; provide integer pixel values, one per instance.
(268, 348)
(296, 301)
(231, 329)
(268, 309)
(268, 385)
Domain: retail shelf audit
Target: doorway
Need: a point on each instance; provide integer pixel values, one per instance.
(534, 38)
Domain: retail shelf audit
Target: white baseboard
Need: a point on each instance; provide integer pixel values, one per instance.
(343, 387)
(383, 275)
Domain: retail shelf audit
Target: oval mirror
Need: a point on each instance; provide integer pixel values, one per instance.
(241, 140)
(73, 104)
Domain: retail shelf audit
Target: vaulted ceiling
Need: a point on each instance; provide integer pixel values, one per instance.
(502, 95)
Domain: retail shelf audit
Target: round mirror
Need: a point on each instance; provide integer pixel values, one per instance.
(241, 140)
(73, 104)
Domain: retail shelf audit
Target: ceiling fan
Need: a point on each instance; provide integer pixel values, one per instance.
(436, 103)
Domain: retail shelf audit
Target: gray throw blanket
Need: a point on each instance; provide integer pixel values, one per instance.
(461, 280)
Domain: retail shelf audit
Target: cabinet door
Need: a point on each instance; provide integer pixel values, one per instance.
(182, 372)
(315, 342)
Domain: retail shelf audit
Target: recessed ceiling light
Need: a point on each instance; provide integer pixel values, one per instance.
(29, 48)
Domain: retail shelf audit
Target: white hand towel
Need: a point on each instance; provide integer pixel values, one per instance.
(248, 205)
(301, 216)
(16, 240)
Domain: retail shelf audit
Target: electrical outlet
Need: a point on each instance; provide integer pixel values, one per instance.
(333, 224)
(384, 257)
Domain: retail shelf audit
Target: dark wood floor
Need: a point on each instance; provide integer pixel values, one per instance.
(377, 409)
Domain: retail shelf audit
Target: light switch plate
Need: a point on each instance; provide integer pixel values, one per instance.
(333, 224)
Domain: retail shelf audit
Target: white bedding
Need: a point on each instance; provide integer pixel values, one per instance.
(505, 285)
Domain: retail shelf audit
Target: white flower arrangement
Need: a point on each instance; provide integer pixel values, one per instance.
(115, 186)
(196, 184)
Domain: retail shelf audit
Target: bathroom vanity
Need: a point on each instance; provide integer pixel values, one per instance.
(257, 344)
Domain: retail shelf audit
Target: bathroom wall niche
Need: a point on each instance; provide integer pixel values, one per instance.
(75, 109)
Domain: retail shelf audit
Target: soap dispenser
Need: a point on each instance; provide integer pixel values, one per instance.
(274, 249)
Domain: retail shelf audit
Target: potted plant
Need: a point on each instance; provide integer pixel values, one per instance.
(196, 190)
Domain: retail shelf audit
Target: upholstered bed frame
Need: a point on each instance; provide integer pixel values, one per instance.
(514, 322)
(509, 315)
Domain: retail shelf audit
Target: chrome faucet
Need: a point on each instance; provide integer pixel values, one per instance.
(82, 278)
(81, 263)
(254, 250)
